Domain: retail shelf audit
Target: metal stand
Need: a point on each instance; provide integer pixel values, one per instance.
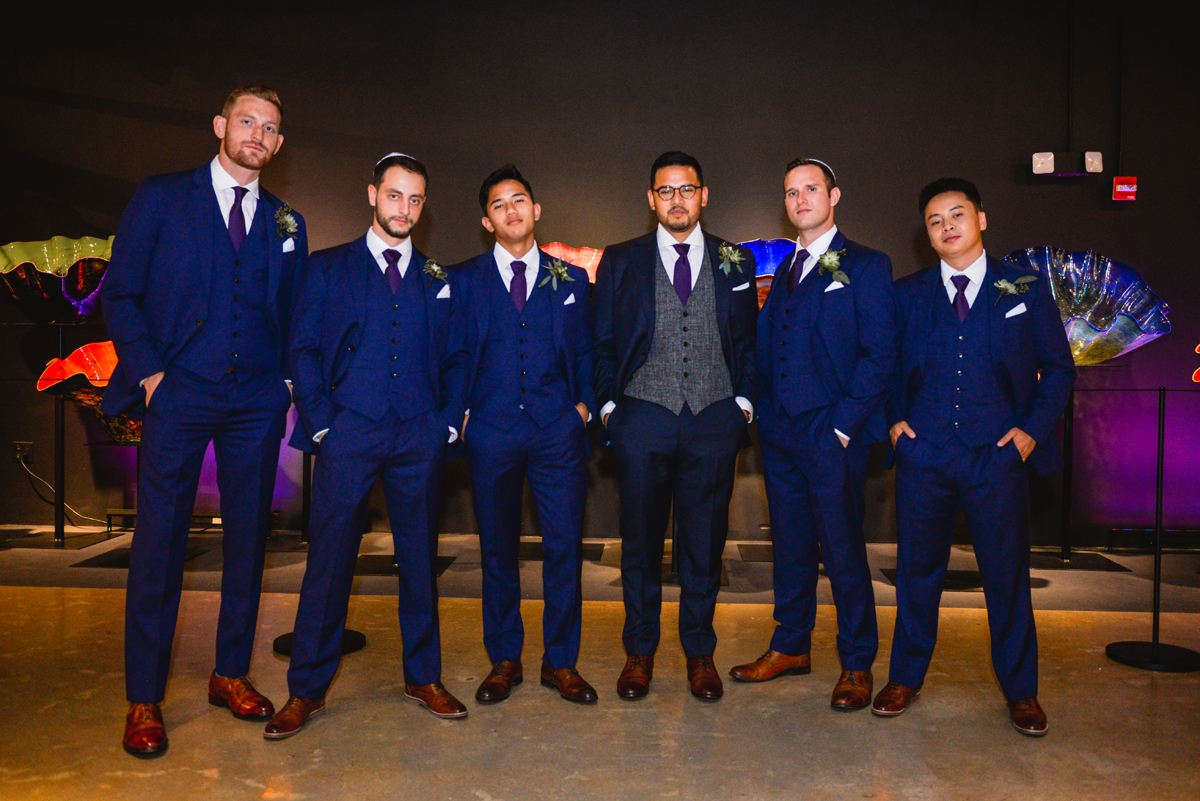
(1154, 655)
(1068, 474)
(60, 457)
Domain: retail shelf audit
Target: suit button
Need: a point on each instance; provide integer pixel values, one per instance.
(956, 424)
(393, 375)
(237, 316)
(685, 314)
(234, 355)
(237, 279)
(351, 348)
(479, 371)
(685, 328)
(685, 375)
(236, 298)
(522, 390)
(333, 386)
(522, 372)
(960, 355)
(199, 322)
(520, 341)
(394, 358)
(783, 375)
(521, 357)
(783, 343)
(961, 337)
(395, 306)
(235, 334)
(520, 325)
(238, 262)
(685, 359)
(787, 311)
(960, 372)
(957, 407)
(958, 389)
(785, 326)
(395, 323)
(685, 344)
(783, 358)
(522, 406)
(642, 352)
(393, 342)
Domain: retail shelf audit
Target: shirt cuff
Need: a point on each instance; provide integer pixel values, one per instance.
(606, 410)
(840, 434)
(317, 436)
(747, 407)
(453, 435)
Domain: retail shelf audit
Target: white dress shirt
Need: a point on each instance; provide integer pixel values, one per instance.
(977, 272)
(504, 261)
(223, 184)
(815, 251)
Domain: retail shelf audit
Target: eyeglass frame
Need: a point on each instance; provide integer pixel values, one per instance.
(682, 190)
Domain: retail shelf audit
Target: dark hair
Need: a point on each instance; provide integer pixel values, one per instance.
(256, 90)
(943, 185)
(830, 181)
(675, 158)
(407, 162)
(508, 172)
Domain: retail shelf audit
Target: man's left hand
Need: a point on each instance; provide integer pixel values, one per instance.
(1025, 443)
(583, 411)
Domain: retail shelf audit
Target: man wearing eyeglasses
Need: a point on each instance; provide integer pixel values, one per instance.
(675, 316)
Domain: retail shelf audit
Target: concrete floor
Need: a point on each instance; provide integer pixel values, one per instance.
(1115, 732)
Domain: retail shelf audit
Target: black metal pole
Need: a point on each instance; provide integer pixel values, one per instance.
(60, 458)
(1158, 518)
(1068, 474)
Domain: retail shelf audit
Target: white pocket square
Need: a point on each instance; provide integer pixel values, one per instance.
(445, 293)
(1015, 310)
(740, 287)
(289, 245)
(569, 300)
(834, 285)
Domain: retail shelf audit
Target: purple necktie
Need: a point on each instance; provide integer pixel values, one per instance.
(683, 275)
(237, 219)
(518, 287)
(392, 273)
(797, 271)
(961, 307)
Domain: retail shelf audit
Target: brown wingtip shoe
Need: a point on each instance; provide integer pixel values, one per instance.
(504, 675)
(245, 702)
(634, 681)
(853, 690)
(893, 699)
(703, 678)
(292, 717)
(437, 699)
(772, 665)
(569, 683)
(1027, 717)
(145, 735)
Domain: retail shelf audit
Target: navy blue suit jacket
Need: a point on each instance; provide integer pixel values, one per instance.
(1020, 347)
(572, 323)
(157, 289)
(331, 310)
(624, 316)
(856, 326)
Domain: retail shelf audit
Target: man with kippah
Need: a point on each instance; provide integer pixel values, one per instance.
(375, 358)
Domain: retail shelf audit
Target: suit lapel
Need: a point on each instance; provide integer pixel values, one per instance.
(923, 316)
(778, 292)
(266, 213)
(995, 314)
(643, 283)
(721, 286)
(204, 206)
(364, 269)
(556, 307)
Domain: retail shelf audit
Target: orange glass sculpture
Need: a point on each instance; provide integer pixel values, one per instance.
(81, 377)
(587, 258)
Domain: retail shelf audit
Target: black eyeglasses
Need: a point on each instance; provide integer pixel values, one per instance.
(686, 191)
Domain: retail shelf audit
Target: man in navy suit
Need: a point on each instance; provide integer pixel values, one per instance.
(197, 300)
(376, 362)
(983, 376)
(674, 350)
(826, 351)
(527, 327)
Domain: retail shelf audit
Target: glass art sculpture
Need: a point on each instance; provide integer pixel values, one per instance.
(768, 255)
(587, 258)
(1107, 307)
(58, 280)
(81, 378)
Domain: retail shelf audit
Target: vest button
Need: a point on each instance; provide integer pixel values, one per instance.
(479, 371)
(522, 406)
(956, 424)
(522, 372)
(333, 385)
(783, 375)
(234, 355)
(395, 306)
(521, 325)
(956, 407)
(393, 342)
(783, 343)
(522, 390)
(961, 337)
(521, 341)
(351, 348)
(395, 323)
(685, 375)
(237, 279)
(960, 372)
(199, 322)
(685, 328)
(236, 298)
(960, 355)
(393, 375)
(235, 334)
(783, 358)
(237, 316)
(785, 326)
(238, 262)
(394, 358)
(685, 344)
(685, 359)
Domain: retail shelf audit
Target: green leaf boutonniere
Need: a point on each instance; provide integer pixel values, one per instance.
(435, 271)
(831, 262)
(730, 256)
(557, 272)
(1013, 287)
(285, 223)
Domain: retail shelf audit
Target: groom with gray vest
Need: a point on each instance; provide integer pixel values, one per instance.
(675, 325)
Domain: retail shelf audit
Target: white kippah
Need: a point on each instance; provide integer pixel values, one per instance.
(826, 166)
(390, 155)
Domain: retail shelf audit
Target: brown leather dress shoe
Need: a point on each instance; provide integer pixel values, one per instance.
(893, 699)
(245, 702)
(292, 717)
(634, 681)
(504, 675)
(145, 735)
(771, 665)
(1028, 717)
(435, 698)
(569, 683)
(702, 675)
(853, 690)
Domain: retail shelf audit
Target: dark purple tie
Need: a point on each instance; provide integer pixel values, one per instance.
(392, 273)
(237, 219)
(961, 307)
(797, 271)
(683, 275)
(518, 288)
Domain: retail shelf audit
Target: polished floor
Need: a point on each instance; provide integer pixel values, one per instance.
(1115, 732)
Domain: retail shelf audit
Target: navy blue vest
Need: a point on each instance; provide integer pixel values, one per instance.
(237, 333)
(390, 368)
(796, 350)
(520, 370)
(959, 395)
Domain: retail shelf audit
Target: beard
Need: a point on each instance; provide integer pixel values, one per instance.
(394, 227)
(678, 225)
(249, 159)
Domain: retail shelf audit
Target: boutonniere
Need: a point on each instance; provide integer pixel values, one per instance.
(1013, 287)
(831, 262)
(557, 272)
(434, 270)
(285, 223)
(730, 256)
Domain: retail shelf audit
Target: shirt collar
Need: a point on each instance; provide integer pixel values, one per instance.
(377, 246)
(223, 180)
(976, 272)
(504, 259)
(667, 242)
(820, 244)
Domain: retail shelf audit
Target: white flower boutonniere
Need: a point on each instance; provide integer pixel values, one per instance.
(831, 262)
(730, 256)
(557, 272)
(285, 223)
(435, 271)
(1013, 287)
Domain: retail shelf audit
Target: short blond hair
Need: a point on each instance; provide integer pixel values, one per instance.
(255, 90)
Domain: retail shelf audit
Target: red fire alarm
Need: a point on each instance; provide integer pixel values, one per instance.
(1125, 188)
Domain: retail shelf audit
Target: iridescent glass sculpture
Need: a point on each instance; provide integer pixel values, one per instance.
(768, 255)
(81, 379)
(58, 280)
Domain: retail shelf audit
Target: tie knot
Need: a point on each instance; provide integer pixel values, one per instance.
(392, 257)
(518, 267)
(682, 250)
(960, 282)
(239, 193)
(801, 257)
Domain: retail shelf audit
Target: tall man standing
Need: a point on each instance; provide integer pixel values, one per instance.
(675, 328)
(528, 330)
(378, 370)
(198, 302)
(826, 351)
(983, 375)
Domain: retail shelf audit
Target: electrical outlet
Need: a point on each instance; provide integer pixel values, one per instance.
(22, 450)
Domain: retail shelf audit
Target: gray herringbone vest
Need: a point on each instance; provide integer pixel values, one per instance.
(683, 365)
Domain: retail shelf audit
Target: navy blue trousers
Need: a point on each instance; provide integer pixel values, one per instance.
(688, 460)
(357, 451)
(243, 416)
(553, 459)
(815, 491)
(992, 487)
